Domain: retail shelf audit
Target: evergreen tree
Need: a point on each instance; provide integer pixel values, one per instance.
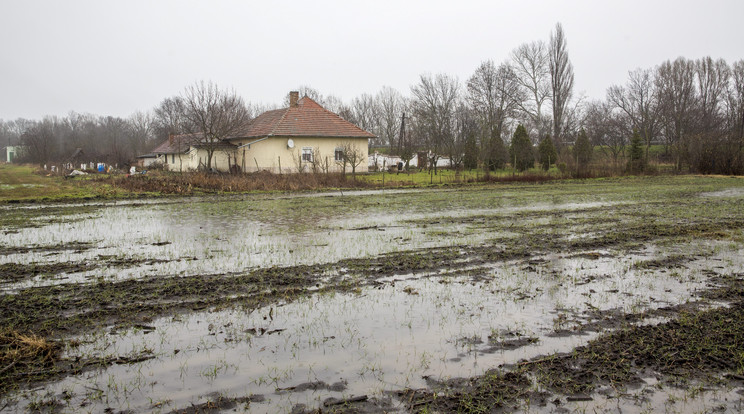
(470, 160)
(497, 155)
(547, 152)
(520, 151)
(637, 161)
(583, 151)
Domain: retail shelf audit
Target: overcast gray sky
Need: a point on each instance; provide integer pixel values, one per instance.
(117, 57)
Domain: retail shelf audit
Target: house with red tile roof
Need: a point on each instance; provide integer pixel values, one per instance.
(303, 137)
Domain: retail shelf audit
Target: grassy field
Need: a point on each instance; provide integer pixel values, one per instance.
(22, 183)
(26, 183)
(420, 178)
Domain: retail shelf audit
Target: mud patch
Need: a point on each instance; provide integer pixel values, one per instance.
(15, 272)
(698, 346)
(77, 247)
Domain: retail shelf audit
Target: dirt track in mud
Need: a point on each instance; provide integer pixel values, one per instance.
(575, 302)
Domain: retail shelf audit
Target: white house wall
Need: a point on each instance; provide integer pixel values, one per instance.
(273, 153)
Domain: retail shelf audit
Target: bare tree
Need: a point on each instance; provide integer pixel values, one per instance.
(639, 102)
(561, 79)
(353, 156)
(531, 69)
(390, 106)
(316, 161)
(675, 82)
(76, 124)
(298, 161)
(713, 81)
(140, 131)
(213, 115)
(435, 100)
(709, 146)
(6, 136)
(169, 118)
(606, 128)
(735, 117)
(495, 94)
(735, 103)
(365, 113)
(115, 131)
(40, 143)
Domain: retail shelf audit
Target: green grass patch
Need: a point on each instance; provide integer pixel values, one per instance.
(26, 183)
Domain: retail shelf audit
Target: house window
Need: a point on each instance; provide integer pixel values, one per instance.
(173, 158)
(307, 154)
(339, 154)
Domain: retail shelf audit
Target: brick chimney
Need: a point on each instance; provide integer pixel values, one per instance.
(170, 139)
(294, 96)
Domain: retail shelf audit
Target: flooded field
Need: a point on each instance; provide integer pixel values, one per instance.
(452, 300)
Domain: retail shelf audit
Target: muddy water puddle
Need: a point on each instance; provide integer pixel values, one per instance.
(393, 309)
(654, 397)
(392, 334)
(139, 240)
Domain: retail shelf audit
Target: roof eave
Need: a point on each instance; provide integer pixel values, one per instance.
(315, 136)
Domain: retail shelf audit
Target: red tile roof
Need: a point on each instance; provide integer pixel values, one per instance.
(174, 145)
(182, 143)
(307, 119)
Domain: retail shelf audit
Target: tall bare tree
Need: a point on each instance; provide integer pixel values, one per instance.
(735, 116)
(213, 115)
(561, 80)
(735, 102)
(709, 144)
(712, 84)
(531, 68)
(675, 82)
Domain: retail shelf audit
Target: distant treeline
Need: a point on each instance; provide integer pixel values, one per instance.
(693, 108)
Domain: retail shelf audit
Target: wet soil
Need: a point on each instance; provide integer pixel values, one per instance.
(76, 247)
(69, 309)
(15, 272)
(694, 341)
(697, 345)
(18, 272)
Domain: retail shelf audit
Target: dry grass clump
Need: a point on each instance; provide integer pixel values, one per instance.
(203, 182)
(24, 354)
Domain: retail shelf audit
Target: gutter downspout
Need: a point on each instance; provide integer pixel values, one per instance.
(253, 142)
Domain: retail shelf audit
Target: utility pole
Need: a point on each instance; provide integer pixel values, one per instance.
(402, 134)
